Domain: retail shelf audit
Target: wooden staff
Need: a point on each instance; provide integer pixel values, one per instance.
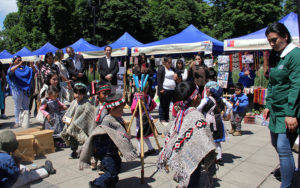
(153, 128)
(141, 140)
(131, 120)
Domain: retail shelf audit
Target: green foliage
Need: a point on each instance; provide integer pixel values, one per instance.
(236, 18)
(289, 6)
(62, 22)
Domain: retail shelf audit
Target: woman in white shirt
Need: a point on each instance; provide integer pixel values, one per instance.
(64, 75)
(166, 78)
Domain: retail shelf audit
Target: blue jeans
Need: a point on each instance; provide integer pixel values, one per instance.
(21, 103)
(283, 143)
(112, 167)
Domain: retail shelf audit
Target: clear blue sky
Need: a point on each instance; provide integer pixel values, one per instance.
(6, 6)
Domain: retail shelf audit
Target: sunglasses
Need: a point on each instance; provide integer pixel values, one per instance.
(273, 40)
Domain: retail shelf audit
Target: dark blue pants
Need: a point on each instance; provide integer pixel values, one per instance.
(112, 167)
(165, 100)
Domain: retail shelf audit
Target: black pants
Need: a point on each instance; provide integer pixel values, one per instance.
(165, 100)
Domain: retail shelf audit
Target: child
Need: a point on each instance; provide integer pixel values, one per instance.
(51, 108)
(107, 139)
(181, 72)
(79, 120)
(13, 174)
(189, 146)
(150, 105)
(240, 103)
(52, 79)
(102, 89)
(212, 106)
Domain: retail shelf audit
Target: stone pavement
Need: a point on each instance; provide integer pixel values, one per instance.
(249, 160)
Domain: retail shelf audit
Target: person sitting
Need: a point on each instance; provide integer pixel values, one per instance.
(12, 173)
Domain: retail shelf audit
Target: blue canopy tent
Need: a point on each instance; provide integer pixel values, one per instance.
(120, 47)
(187, 41)
(48, 47)
(258, 40)
(5, 56)
(25, 54)
(82, 46)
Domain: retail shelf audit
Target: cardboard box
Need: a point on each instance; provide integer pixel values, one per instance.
(43, 142)
(25, 149)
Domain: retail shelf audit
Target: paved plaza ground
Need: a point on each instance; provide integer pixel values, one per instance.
(249, 160)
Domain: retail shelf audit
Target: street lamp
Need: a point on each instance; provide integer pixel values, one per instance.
(94, 5)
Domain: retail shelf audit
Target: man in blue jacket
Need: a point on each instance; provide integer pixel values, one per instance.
(12, 174)
(239, 104)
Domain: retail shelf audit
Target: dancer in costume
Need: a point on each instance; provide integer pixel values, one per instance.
(211, 107)
(79, 119)
(102, 90)
(189, 146)
(107, 139)
(150, 105)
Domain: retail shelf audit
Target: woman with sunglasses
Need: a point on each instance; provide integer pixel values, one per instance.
(283, 105)
(19, 78)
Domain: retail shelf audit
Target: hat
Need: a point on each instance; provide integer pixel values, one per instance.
(8, 141)
(214, 89)
(114, 100)
(102, 86)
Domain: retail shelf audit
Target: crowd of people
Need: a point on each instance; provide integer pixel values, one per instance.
(88, 118)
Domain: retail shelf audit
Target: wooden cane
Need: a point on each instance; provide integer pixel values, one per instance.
(141, 140)
(131, 120)
(153, 128)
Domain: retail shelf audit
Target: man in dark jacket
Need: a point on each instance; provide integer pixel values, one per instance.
(108, 68)
(75, 66)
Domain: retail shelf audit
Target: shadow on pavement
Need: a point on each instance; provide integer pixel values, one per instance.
(247, 132)
(130, 165)
(229, 158)
(6, 125)
(135, 182)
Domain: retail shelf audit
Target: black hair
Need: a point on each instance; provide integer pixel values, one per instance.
(280, 29)
(107, 47)
(58, 54)
(211, 74)
(69, 47)
(48, 55)
(141, 55)
(201, 55)
(80, 89)
(239, 86)
(184, 90)
(15, 57)
(53, 89)
(179, 61)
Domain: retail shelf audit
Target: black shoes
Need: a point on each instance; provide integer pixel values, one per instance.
(150, 152)
(74, 155)
(220, 162)
(49, 167)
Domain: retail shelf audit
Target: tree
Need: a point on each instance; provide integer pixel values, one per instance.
(170, 17)
(289, 6)
(237, 18)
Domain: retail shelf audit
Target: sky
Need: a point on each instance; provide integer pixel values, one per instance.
(6, 6)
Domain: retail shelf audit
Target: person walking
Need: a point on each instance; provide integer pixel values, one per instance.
(283, 105)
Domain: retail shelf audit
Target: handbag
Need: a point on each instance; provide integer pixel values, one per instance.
(24, 119)
(40, 117)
